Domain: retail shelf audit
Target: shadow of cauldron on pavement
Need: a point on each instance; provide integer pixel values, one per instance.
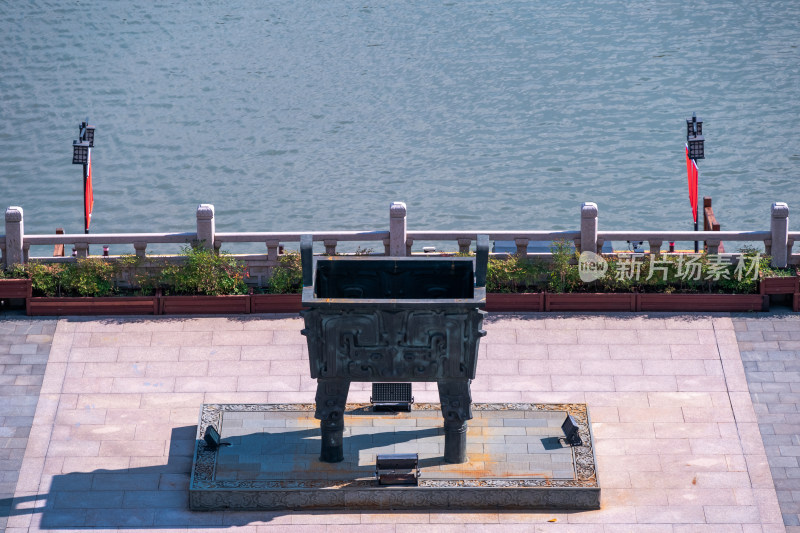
(157, 496)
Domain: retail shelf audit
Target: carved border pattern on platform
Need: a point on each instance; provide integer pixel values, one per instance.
(378, 499)
(212, 414)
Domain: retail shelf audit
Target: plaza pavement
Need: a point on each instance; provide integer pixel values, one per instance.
(676, 435)
(24, 348)
(770, 350)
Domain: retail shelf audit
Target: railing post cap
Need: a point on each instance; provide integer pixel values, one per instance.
(205, 211)
(588, 209)
(14, 214)
(780, 210)
(397, 210)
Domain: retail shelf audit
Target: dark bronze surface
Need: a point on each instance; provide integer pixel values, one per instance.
(393, 319)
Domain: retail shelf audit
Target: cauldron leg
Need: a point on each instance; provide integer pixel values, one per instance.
(331, 399)
(456, 401)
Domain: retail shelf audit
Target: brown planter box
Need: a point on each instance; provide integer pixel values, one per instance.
(14, 292)
(782, 285)
(15, 288)
(276, 303)
(703, 302)
(108, 305)
(236, 304)
(796, 303)
(505, 301)
(590, 302)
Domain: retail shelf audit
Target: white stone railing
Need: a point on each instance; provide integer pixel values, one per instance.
(397, 241)
(274, 240)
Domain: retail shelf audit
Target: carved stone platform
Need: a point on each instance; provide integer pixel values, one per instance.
(517, 459)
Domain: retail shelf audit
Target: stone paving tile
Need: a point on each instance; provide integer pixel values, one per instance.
(268, 446)
(22, 370)
(771, 367)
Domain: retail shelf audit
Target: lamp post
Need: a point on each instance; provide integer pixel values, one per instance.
(82, 155)
(695, 151)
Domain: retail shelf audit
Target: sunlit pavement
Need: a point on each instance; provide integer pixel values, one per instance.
(676, 433)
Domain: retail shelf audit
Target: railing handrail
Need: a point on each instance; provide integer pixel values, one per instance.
(283, 236)
(684, 235)
(110, 238)
(495, 235)
(439, 235)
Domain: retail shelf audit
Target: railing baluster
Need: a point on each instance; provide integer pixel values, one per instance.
(330, 246)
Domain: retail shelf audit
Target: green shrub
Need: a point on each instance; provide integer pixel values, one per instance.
(14, 272)
(139, 279)
(286, 278)
(46, 278)
(626, 273)
(563, 275)
(206, 273)
(90, 276)
(671, 274)
(515, 274)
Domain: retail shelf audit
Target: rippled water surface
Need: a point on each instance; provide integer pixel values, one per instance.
(316, 115)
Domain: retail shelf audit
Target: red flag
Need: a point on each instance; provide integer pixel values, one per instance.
(88, 197)
(692, 175)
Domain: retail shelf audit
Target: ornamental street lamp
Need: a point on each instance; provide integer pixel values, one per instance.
(694, 151)
(82, 155)
(87, 132)
(694, 137)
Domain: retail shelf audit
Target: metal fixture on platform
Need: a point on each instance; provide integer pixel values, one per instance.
(397, 469)
(570, 429)
(391, 397)
(213, 439)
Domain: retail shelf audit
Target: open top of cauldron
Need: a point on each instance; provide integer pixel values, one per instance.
(394, 281)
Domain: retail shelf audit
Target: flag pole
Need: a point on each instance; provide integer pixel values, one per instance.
(82, 154)
(695, 151)
(85, 199)
(697, 213)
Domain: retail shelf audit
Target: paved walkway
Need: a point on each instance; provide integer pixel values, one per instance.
(24, 347)
(770, 349)
(677, 439)
(285, 445)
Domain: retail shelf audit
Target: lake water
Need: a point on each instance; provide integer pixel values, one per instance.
(479, 115)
